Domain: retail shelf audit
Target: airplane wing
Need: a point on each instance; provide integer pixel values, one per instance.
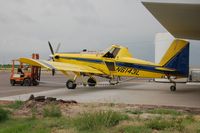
(180, 19)
(50, 65)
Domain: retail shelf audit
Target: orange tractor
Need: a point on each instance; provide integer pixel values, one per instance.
(25, 75)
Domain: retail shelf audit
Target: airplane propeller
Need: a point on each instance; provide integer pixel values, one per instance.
(52, 54)
(52, 51)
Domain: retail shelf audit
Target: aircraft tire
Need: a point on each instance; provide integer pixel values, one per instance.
(173, 88)
(92, 82)
(70, 84)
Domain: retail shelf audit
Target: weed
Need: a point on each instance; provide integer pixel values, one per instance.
(52, 111)
(111, 104)
(136, 112)
(190, 119)
(97, 120)
(164, 111)
(33, 112)
(16, 105)
(135, 129)
(159, 124)
(23, 126)
(3, 114)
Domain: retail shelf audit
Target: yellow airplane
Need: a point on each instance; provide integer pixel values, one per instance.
(117, 62)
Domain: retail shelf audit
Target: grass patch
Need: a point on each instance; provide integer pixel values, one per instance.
(159, 124)
(164, 111)
(28, 125)
(37, 125)
(3, 115)
(98, 120)
(52, 111)
(16, 105)
(134, 129)
(136, 112)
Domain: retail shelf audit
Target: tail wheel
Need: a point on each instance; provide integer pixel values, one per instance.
(12, 82)
(27, 82)
(173, 88)
(70, 84)
(92, 82)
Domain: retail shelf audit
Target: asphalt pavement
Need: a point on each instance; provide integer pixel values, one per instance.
(132, 92)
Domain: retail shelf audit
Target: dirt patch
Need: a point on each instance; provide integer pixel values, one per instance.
(36, 105)
(2, 102)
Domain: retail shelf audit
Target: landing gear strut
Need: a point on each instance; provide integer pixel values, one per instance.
(114, 80)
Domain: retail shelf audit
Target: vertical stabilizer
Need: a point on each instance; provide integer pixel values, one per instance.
(177, 57)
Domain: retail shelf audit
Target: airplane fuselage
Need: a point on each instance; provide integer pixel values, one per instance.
(124, 66)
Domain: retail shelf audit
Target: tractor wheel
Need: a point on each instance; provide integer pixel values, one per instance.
(35, 83)
(70, 84)
(91, 82)
(12, 82)
(27, 82)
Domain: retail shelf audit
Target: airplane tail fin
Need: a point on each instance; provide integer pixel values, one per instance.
(177, 57)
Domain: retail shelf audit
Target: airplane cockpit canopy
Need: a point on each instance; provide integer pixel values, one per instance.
(112, 52)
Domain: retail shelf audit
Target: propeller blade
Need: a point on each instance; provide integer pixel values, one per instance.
(58, 47)
(51, 48)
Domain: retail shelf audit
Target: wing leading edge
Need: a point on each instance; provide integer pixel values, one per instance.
(60, 66)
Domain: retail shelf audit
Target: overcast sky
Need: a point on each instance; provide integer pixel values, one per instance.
(27, 25)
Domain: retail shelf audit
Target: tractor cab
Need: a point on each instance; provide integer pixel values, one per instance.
(25, 75)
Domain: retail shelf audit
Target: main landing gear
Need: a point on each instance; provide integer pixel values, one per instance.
(71, 83)
(91, 82)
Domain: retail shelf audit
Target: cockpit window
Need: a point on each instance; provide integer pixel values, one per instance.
(112, 53)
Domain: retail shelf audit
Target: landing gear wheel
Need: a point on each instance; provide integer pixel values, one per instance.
(173, 88)
(91, 82)
(27, 82)
(70, 84)
(12, 82)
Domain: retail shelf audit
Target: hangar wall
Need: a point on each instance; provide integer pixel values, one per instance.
(162, 43)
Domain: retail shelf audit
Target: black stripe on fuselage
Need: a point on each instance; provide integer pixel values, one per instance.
(82, 59)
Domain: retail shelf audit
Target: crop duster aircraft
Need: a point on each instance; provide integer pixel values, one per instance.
(117, 62)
